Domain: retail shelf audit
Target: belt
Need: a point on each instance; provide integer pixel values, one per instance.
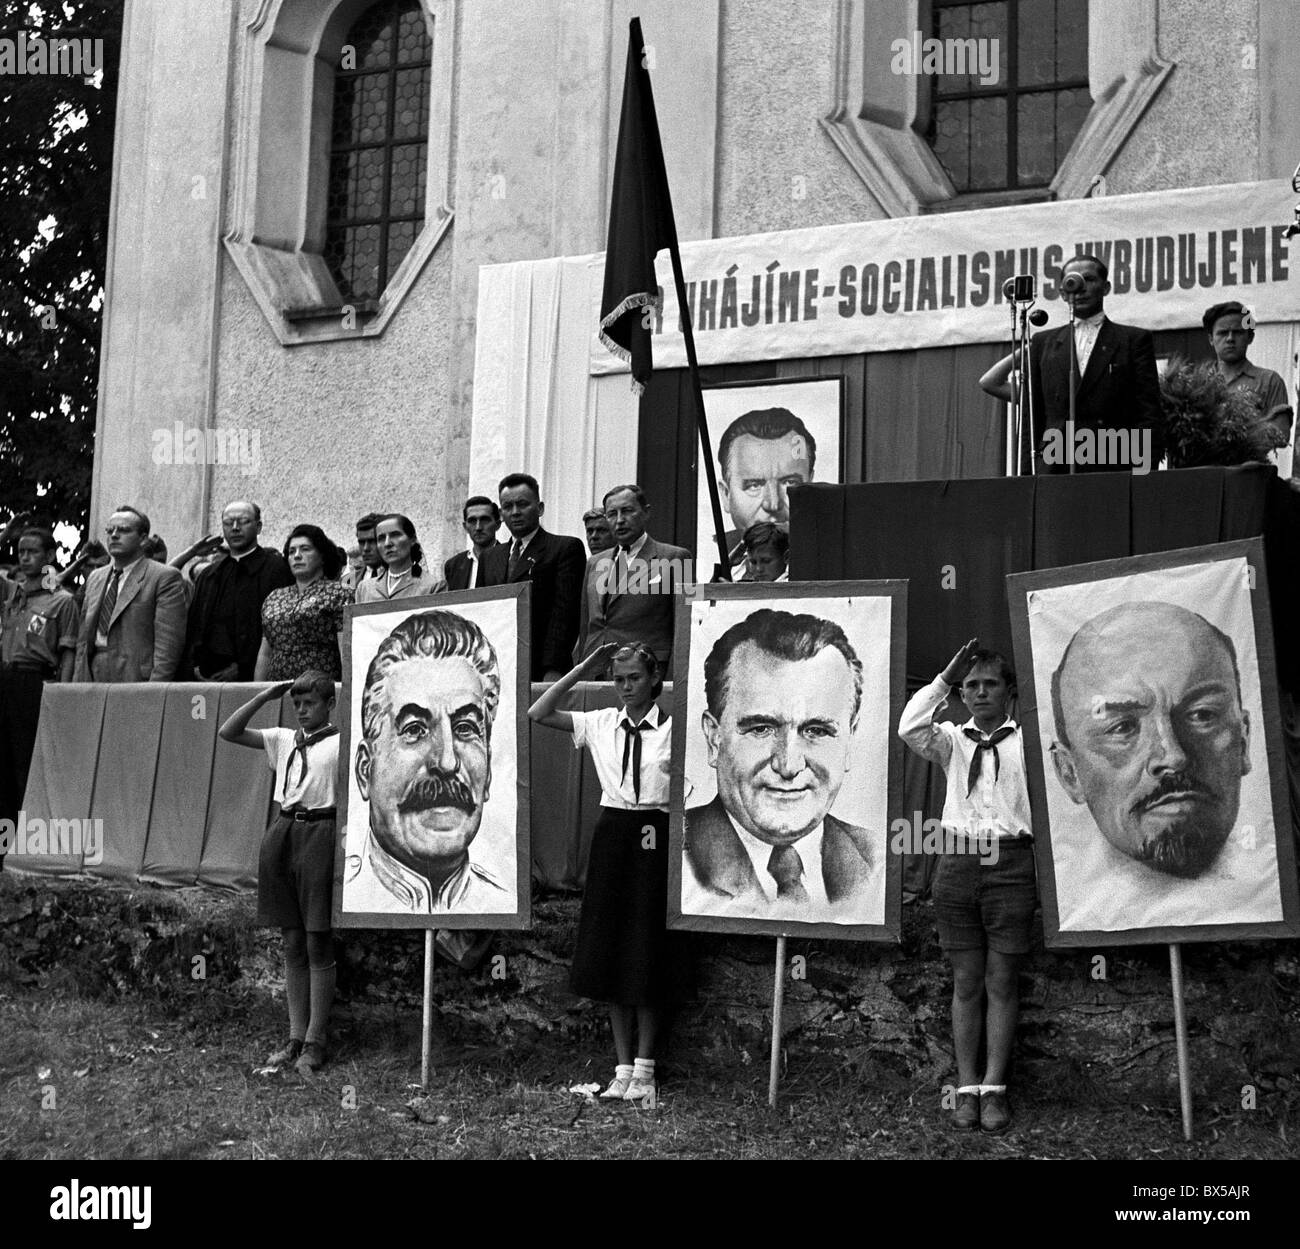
(300, 815)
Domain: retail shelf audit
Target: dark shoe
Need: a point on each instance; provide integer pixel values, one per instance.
(287, 1053)
(312, 1058)
(995, 1113)
(966, 1117)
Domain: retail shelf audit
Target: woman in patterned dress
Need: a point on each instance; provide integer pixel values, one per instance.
(301, 622)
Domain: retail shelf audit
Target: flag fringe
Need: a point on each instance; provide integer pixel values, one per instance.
(641, 300)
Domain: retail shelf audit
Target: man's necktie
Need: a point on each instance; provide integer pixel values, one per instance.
(980, 747)
(632, 734)
(109, 601)
(786, 868)
(516, 558)
(617, 582)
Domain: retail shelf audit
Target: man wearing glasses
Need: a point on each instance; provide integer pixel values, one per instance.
(134, 623)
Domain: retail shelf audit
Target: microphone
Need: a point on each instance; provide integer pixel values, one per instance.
(1038, 317)
(1071, 284)
(1009, 289)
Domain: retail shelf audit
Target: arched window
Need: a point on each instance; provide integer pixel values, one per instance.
(1009, 129)
(379, 148)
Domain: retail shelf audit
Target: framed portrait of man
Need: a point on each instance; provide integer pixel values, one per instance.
(433, 791)
(767, 437)
(785, 763)
(1157, 778)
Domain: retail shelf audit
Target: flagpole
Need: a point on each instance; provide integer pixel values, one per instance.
(701, 421)
(641, 225)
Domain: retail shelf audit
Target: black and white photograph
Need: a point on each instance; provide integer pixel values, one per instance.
(787, 761)
(1158, 760)
(506, 518)
(433, 832)
(770, 436)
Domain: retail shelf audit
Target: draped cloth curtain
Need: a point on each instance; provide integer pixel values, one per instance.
(536, 408)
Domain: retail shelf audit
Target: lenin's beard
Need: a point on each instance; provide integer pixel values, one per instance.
(437, 790)
(1188, 846)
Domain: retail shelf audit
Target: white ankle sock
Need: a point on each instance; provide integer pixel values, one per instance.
(623, 1071)
(644, 1069)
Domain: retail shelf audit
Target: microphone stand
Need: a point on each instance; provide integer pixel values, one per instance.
(1074, 386)
(1013, 411)
(1021, 404)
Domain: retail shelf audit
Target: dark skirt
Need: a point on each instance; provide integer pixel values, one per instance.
(295, 874)
(624, 953)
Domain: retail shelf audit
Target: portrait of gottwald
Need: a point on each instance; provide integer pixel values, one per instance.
(760, 456)
(771, 438)
(431, 818)
(1157, 779)
(786, 778)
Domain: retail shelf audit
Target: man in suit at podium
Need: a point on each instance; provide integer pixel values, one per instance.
(632, 589)
(551, 563)
(134, 623)
(1118, 424)
(480, 518)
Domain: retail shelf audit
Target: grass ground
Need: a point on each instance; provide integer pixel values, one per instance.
(139, 1069)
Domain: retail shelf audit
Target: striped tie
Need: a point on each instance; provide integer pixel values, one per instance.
(109, 601)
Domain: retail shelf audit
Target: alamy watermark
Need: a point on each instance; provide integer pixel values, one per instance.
(31, 54)
(921, 836)
(183, 444)
(918, 55)
(83, 838)
(1085, 447)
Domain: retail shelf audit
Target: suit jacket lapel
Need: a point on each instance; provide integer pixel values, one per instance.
(843, 865)
(132, 580)
(532, 554)
(723, 861)
(1099, 360)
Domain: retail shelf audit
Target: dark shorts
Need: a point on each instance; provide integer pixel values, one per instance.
(983, 905)
(295, 874)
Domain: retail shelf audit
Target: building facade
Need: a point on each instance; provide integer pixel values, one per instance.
(306, 192)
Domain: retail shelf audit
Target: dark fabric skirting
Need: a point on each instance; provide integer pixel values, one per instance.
(624, 954)
(295, 874)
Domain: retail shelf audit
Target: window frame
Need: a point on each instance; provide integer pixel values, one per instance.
(1011, 90)
(281, 159)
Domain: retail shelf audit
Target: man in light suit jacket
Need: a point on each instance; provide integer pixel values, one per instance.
(1118, 387)
(631, 591)
(782, 692)
(552, 564)
(480, 518)
(133, 628)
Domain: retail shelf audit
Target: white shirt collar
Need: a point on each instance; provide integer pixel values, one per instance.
(524, 541)
(635, 549)
(651, 717)
(1093, 322)
(1007, 723)
(809, 847)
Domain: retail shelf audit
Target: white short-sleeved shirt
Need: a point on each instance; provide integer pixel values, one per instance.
(999, 801)
(602, 733)
(316, 789)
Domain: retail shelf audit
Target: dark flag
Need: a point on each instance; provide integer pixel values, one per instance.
(640, 221)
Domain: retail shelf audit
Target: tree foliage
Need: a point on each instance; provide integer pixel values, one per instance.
(56, 162)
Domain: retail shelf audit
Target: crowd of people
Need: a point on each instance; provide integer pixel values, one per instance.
(228, 609)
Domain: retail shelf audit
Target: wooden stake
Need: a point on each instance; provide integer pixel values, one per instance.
(426, 1038)
(1180, 1036)
(778, 1001)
